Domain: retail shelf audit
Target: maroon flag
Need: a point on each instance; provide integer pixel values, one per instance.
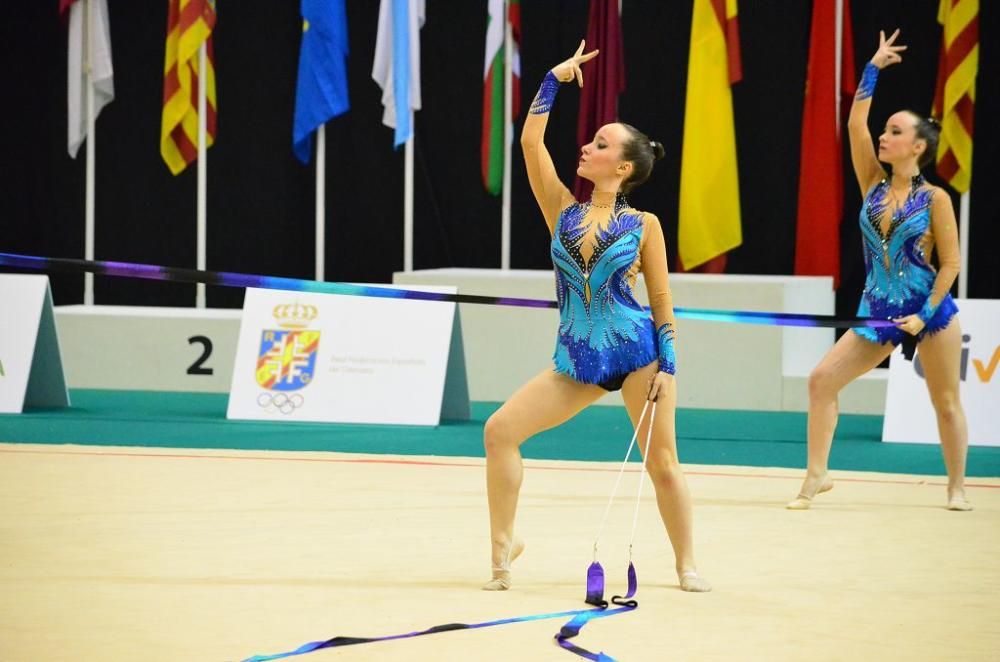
(604, 79)
(821, 186)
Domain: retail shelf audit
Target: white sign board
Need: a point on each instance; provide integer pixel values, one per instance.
(909, 416)
(31, 372)
(347, 359)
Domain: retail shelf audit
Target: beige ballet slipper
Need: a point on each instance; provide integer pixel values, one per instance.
(692, 582)
(804, 501)
(501, 575)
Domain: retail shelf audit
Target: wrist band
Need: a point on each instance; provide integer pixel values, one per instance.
(665, 341)
(866, 87)
(546, 95)
(928, 310)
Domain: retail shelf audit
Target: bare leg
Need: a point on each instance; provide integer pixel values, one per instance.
(672, 496)
(940, 355)
(547, 400)
(850, 358)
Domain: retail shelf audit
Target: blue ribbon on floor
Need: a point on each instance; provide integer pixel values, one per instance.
(231, 279)
(579, 618)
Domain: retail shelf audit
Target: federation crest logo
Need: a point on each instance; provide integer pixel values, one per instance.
(287, 357)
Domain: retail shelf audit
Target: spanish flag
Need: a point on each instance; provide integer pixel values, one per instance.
(955, 98)
(189, 24)
(709, 220)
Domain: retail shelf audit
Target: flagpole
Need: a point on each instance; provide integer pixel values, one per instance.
(838, 50)
(202, 169)
(508, 137)
(321, 202)
(963, 237)
(89, 205)
(408, 202)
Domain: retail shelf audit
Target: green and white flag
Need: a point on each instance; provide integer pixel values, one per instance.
(493, 89)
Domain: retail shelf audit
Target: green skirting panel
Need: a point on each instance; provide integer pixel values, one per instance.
(748, 438)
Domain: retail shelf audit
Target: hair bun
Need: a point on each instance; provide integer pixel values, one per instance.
(657, 148)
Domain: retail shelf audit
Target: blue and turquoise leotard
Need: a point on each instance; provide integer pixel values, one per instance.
(899, 274)
(604, 332)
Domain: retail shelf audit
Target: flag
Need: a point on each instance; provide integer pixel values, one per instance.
(492, 146)
(604, 81)
(321, 90)
(821, 173)
(189, 24)
(955, 98)
(709, 219)
(94, 12)
(397, 63)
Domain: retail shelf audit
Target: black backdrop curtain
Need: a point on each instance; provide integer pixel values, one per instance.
(260, 199)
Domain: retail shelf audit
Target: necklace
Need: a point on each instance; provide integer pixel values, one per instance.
(617, 204)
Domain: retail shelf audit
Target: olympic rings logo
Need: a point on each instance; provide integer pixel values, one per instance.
(282, 402)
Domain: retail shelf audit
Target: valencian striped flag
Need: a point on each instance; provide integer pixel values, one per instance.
(955, 98)
(189, 24)
(492, 146)
(709, 219)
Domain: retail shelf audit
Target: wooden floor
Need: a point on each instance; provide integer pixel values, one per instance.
(129, 554)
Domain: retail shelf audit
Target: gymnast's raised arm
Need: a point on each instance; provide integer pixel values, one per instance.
(551, 194)
(867, 168)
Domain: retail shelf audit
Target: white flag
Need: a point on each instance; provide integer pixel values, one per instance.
(97, 42)
(397, 69)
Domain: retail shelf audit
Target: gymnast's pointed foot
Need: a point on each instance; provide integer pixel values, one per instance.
(507, 553)
(692, 582)
(811, 486)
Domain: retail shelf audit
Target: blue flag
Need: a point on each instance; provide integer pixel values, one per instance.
(321, 91)
(397, 63)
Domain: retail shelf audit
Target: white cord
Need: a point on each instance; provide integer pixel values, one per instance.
(621, 471)
(642, 474)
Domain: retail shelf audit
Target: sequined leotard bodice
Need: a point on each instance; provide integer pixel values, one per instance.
(899, 276)
(604, 332)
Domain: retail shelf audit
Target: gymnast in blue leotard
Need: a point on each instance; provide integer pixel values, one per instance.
(903, 220)
(607, 340)
(605, 334)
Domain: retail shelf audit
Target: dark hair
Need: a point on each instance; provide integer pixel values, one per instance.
(642, 152)
(928, 129)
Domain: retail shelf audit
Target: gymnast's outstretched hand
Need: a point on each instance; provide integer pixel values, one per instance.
(569, 69)
(887, 52)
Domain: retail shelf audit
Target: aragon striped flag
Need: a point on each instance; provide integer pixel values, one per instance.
(492, 146)
(709, 219)
(955, 97)
(189, 24)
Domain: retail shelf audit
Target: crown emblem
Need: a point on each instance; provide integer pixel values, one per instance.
(294, 315)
